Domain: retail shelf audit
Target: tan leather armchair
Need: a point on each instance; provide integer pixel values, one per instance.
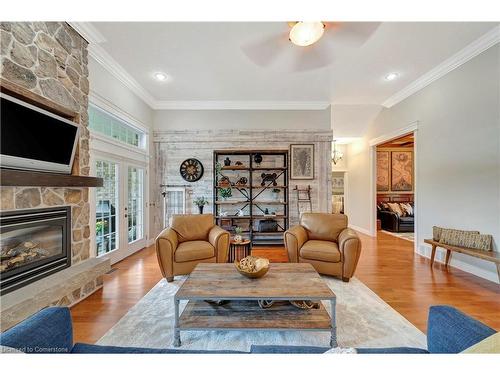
(324, 241)
(191, 239)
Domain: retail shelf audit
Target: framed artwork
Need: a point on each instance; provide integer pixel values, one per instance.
(338, 184)
(382, 170)
(302, 162)
(402, 171)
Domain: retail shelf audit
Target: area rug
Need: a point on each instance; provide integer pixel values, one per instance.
(363, 320)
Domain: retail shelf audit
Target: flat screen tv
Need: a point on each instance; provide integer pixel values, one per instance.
(34, 139)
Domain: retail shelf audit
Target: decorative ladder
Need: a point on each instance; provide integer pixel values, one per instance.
(303, 196)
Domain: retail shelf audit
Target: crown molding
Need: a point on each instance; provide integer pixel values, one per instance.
(241, 105)
(94, 37)
(88, 32)
(472, 50)
(107, 62)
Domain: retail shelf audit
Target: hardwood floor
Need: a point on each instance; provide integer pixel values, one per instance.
(388, 266)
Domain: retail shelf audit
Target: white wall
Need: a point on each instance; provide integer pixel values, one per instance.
(107, 86)
(457, 156)
(106, 89)
(242, 119)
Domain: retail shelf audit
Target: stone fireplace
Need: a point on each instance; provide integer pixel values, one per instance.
(49, 60)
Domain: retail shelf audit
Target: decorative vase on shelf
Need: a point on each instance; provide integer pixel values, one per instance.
(227, 162)
(200, 209)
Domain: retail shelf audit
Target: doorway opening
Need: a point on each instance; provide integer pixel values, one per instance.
(395, 186)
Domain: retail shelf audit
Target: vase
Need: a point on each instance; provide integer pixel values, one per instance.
(200, 209)
(238, 238)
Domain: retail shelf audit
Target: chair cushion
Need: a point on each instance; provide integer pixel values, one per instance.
(325, 251)
(192, 227)
(194, 250)
(326, 227)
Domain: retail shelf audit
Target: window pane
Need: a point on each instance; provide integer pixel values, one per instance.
(106, 207)
(105, 123)
(135, 206)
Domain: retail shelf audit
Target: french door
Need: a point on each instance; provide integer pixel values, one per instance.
(119, 208)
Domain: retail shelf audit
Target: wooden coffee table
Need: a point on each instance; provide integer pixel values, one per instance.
(283, 282)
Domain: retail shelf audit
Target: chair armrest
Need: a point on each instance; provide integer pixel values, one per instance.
(48, 331)
(451, 331)
(295, 237)
(350, 247)
(219, 238)
(166, 244)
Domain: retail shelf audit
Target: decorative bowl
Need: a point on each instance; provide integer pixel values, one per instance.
(252, 267)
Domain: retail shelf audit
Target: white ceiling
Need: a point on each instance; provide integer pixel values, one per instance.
(208, 62)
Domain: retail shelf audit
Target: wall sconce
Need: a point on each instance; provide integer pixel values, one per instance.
(336, 154)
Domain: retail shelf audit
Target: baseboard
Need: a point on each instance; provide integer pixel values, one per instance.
(361, 230)
(425, 251)
(150, 242)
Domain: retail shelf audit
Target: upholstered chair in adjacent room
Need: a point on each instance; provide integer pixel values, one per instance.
(324, 241)
(191, 239)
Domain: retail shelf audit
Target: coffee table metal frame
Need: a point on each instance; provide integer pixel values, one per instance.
(332, 326)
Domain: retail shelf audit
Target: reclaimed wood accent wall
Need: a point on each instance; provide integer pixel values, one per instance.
(171, 148)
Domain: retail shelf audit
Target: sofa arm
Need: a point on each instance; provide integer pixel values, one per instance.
(389, 220)
(451, 331)
(350, 248)
(166, 244)
(48, 331)
(295, 237)
(219, 238)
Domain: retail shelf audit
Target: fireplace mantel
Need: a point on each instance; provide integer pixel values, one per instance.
(14, 177)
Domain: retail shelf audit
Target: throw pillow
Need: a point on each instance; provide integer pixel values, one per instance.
(479, 241)
(488, 345)
(339, 350)
(465, 238)
(437, 233)
(407, 208)
(396, 208)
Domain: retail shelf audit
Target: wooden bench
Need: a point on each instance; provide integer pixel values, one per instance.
(491, 256)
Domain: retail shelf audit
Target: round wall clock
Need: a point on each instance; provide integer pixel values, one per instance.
(191, 170)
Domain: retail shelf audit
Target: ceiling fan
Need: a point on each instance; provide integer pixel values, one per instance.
(305, 46)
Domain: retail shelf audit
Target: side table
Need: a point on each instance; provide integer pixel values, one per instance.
(238, 250)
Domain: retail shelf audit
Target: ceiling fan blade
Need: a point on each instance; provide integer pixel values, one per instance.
(313, 57)
(350, 34)
(265, 50)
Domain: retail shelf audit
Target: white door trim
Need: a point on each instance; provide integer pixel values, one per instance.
(411, 128)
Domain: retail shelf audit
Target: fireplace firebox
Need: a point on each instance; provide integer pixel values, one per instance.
(33, 245)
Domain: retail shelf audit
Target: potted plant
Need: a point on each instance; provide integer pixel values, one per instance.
(238, 237)
(275, 193)
(200, 202)
(225, 193)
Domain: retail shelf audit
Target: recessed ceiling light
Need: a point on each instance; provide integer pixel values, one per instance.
(391, 76)
(160, 76)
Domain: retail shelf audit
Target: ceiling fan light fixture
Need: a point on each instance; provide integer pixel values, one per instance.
(306, 33)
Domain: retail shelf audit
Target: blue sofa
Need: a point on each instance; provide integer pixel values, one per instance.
(51, 331)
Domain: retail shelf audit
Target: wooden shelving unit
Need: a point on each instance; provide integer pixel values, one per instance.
(253, 198)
